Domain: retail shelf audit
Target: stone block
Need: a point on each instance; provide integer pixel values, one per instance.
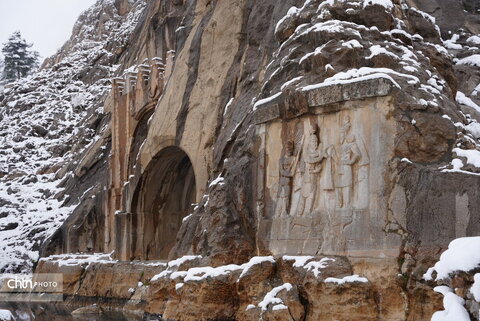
(294, 246)
(311, 246)
(296, 104)
(278, 246)
(267, 112)
(324, 95)
(300, 228)
(376, 87)
(280, 228)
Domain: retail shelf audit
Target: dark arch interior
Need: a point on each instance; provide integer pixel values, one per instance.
(165, 198)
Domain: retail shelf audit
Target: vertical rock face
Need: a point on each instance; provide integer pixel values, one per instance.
(301, 138)
(451, 14)
(55, 142)
(243, 128)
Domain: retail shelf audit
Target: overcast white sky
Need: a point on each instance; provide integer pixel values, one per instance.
(46, 23)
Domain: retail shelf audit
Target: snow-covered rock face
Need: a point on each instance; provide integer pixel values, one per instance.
(361, 38)
(189, 288)
(231, 59)
(47, 121)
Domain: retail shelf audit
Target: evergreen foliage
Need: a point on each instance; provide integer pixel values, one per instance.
(19, 59)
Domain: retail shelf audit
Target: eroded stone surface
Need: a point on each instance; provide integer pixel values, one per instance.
(322, 195)
(329, 133)
(283, 288)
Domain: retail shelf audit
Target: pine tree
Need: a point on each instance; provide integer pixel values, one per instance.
(19, 59)
(2, 82)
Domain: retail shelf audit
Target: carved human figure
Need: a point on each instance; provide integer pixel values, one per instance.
(349, 155)
(313, 155)
(286, 165)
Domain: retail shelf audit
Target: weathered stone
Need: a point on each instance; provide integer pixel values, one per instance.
(8, 226)
(324, 95)
(312, 171)
(428, 141)
(39, 130)
(353, 90)
(265, 113)
(376, 87)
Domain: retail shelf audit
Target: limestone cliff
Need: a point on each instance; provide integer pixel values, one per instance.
(304, 133)
(49, 124)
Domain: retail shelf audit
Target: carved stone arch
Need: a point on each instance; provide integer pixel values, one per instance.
(163, 197)
(139, 136)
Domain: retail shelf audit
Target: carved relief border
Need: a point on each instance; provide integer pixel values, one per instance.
(321, 184)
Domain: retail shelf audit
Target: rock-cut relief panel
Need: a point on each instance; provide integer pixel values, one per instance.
(320, 196)
(321, 170)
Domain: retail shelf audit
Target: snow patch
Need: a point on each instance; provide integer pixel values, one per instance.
(352, 44)
(290, 13)
(452, 43)
(347, 279)
(473, 60)
(316, 266)
(453, 305)
(178, 262)
(472, 155)
(200, 273)
(249, 307)
(6, 315)
(299, 260)
(462, 255)
(227, 106)
(266, 100)
(254, 261)
(79, 259)
(475, 289)
(271, 297)
(376, 50)
(351, 77)
(387, 4)
(217, 181)
(473, 40)
(474, 129)
(464, 100)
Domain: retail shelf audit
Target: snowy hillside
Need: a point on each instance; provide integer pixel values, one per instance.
(42, 129)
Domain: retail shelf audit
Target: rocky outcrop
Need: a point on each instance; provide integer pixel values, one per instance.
(296, 130)
(452, 15)
(328, 127)
(267, 288)
(56, 139)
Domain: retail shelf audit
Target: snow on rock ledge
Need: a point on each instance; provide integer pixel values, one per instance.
(463, 254)
(455, 279)
(6, 315)
(453, 304)
(264, 287)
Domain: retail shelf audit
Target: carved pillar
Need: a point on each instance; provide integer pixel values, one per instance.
(134, 96)
(114, 199)
(157, 73)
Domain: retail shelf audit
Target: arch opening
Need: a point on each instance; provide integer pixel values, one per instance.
(165, 197)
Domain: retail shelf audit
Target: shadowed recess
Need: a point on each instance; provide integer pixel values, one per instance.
(165, 196)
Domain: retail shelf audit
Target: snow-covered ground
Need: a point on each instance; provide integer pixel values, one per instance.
(41, 130)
